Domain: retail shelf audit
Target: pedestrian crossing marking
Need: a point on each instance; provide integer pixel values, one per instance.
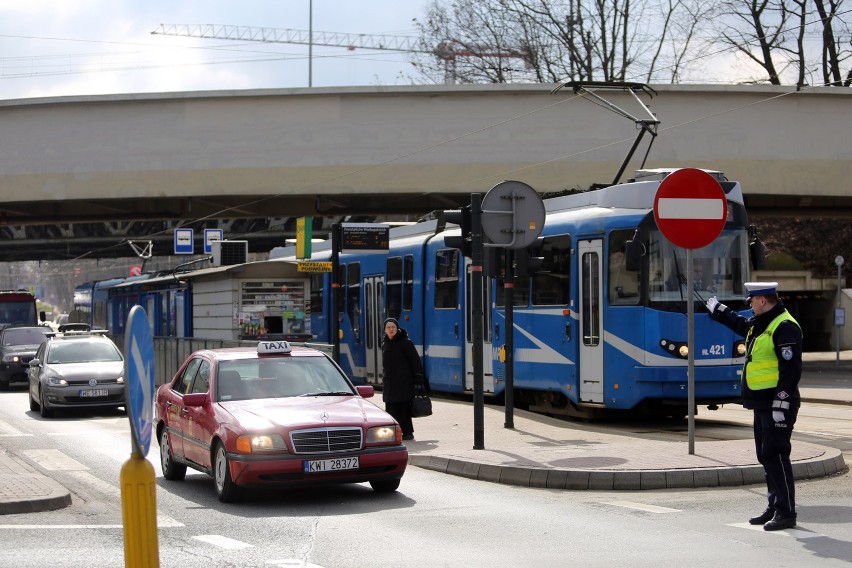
(797, 533)
(221, 541)
(641, 507)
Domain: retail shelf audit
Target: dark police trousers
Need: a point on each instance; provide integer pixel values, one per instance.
(772, 444)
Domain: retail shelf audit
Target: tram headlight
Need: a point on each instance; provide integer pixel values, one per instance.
(675, 348)
(740, 348)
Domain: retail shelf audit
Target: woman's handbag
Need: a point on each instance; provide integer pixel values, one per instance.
(421, 405)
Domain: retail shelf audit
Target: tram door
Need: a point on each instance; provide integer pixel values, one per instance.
(374, 315)
(487, 367)
(591, 321)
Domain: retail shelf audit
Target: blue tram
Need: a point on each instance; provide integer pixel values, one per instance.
(105, 304)
(602, 326)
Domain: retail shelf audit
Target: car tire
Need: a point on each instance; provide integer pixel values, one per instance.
(172, 470)
(385, 486)
(226, 490)
(34, 405)
(45, 411)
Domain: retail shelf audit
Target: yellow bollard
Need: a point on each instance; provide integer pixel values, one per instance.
(139, 513)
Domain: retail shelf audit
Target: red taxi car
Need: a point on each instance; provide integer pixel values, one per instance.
(274, 415)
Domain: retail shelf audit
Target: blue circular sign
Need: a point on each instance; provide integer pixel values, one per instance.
(139, 377)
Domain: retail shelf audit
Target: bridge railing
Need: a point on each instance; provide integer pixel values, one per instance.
(171, 352)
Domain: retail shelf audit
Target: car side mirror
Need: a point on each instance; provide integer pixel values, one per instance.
(195, 399)
(35, 363)
(366, 391)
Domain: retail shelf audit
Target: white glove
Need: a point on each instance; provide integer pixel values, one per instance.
(778, 416)
(712, 304)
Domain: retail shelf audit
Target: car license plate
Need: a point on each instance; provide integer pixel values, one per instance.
(318, 466)
(96, 392)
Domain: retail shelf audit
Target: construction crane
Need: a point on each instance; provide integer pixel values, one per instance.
(445, 51)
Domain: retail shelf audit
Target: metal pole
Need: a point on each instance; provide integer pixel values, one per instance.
(335, 291)
(476, 299)
(839, 262)
(690, 343)
(509, 303)
(310, 43)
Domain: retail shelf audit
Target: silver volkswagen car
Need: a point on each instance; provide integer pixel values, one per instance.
(74, 370)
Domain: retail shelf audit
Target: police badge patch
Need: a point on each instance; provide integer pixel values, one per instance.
(787, 352)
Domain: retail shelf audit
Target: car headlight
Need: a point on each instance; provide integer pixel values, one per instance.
(257, 443)
(120, 380)
(10, 358)
(55, 379)
(384, 434)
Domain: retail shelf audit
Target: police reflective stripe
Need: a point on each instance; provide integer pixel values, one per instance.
(782, 404)
(762, 367)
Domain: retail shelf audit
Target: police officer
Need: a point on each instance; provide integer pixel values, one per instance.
(771, 389)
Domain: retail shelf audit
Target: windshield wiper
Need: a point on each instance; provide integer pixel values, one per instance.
(336, 393)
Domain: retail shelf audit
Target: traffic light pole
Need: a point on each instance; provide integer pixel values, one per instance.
(476, 284)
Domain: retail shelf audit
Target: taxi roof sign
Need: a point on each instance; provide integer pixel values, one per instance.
(274, 348)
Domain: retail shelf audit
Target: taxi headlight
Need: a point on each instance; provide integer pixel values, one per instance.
(384, 434)
(258, 443)
(56, 381)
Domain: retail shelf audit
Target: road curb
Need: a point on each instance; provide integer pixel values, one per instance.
(27, 491)
(830, 463)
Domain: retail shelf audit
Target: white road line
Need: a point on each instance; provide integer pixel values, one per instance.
(7, 430)
(54, 460)
(797, 533)
(642, 507)
(162, 522)
(222, 541)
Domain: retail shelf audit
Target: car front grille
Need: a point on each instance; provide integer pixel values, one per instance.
(326, 440)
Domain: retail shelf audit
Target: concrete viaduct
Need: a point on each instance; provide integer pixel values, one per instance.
(125, 161)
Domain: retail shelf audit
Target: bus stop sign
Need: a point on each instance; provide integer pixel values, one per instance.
(690, 208)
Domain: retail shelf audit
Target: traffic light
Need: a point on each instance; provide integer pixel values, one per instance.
(528, 260)
(460, 217)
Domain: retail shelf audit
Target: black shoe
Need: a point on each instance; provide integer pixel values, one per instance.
(408, 436)
(780, 522)
(763, 518)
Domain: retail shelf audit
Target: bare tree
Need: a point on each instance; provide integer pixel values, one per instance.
(478, 41)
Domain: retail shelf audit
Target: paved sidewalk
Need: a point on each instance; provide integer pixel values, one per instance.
(546, 452)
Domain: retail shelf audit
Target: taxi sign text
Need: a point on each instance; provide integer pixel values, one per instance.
(314, 267)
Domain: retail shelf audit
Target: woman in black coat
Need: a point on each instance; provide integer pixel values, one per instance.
(402, 371)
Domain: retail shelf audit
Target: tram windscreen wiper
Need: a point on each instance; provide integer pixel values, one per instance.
(681, 279)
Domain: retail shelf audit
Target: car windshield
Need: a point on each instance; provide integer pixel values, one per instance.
(24, 336)
(82, 352)
(280, 377)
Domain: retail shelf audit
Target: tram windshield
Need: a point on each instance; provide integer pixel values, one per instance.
(718, 269)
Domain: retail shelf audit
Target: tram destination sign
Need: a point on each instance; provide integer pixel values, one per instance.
(364, 237)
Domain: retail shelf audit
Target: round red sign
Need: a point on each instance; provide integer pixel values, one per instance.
(690, 208)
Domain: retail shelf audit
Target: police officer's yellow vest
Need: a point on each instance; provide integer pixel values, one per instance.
(762, 366)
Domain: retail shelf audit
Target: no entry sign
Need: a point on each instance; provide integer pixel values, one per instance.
(690, 208)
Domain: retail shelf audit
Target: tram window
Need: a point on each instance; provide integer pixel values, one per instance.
(394, 286)
(408, 282)
(353, 299)
(591, 300)
(623, 284)
(551, 286)
(447, 278)
(317, 289)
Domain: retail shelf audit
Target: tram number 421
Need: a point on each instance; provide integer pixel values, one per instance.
(714, 350)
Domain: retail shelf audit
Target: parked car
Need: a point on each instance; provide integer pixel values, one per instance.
(18, 344)
(76, 369)
(274, 415)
